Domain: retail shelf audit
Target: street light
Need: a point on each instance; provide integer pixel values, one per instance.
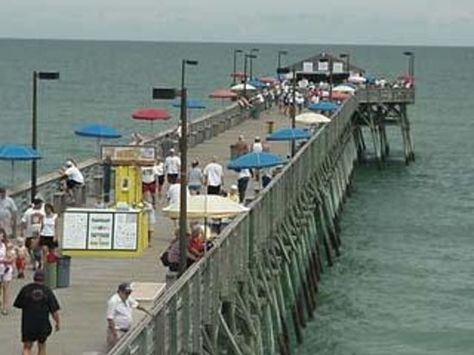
(34, 124)
(411, 63)
(347, 56)
(286, 70)
(280, 53)
(247, 56)
(169, 93)
(253, 50)
(235, 64)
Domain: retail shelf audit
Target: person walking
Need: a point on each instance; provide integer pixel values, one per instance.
(119, 313)
(37, 302)
(49, 232)
(242, 183)
(214, 177)
(31, 224)
(172, 166)
(8, 211)
(195, 178)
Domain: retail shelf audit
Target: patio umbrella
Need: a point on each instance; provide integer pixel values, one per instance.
(340, 96)
(257, 84)
(15, 152)
(255, 161)
(98, 131)
(356, 79)
(206, 206)
(238, 74)
(222, 94)
(344, 88)
(268, 80)
(289, 134)
(240, 87)
(323, 106)
(151, 115)
(311, 118)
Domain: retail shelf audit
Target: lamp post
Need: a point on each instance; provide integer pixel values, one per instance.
(281, 53)
(34, 123)
(252, 51)
(247, 56)
(235, 64)
(167, 93)
(293, 109)
(347, 57)
(411, 63)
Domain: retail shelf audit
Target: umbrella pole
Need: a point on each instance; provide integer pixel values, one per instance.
(13, 173)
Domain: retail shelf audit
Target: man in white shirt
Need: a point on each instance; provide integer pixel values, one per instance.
(214, 176)
(172, 166)
(74, 177)
(242, 183)
(174, 192)
(257, 146)
(149, 177)
(120, 313)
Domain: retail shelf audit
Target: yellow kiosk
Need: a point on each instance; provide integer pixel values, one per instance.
(121, 231)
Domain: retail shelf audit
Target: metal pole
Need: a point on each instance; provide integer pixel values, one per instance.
(251, 68)
(349, 64)
(412, 65)
(330, 78)
(293, 112)
(235, 67)
(279, 60)
(183, 147)
(245, 76)
(34, 129)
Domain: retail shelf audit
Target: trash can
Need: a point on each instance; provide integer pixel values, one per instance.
(50, 274)
(270, 125)
(63, 271)
(254, 112)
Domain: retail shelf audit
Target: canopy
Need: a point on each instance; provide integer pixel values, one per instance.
(269, 80)
(222, 94)
(191, 104)
(206, 206)
(97, 131)
(15, 152)
(311, 118)
(289, 134)
(356, 79)
(151, 114)
(238, 74)
(257, 84)
(344, 88)
(240, 87)
(324, 106)
(255, 161)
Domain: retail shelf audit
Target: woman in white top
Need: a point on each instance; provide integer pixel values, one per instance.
(49, 231)
(7, 259)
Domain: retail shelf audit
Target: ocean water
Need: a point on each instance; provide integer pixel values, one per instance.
(403, 284)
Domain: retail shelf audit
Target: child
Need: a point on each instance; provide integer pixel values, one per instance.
(149, 209)
(36, 252)
(21, 256)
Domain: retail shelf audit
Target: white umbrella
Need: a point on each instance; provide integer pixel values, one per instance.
(311, 118)
(344, 88)
(357, 79)
(207, 206)
(240, 87)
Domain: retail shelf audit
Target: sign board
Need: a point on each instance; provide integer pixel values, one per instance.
(129, 154)
(100, 230)
(338, 67)
(75, 231)
(307, 67)
(125, 231)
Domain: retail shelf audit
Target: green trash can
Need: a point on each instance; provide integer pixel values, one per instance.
(50, 274)
(63, 271)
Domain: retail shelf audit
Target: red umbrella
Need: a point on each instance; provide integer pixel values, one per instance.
(269, 80)
(237, 74)
(223, 94)
(340, 96)
(151, 114)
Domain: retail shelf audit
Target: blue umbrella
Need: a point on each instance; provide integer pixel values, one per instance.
(191, 104)
(14, 152)
(257, 84)
(96, 130)
(255, 161)
(323, 106)
(289, 134)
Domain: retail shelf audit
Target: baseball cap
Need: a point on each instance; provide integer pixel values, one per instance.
(125, 287)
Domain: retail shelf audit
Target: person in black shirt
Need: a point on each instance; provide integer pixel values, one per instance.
(37, 302)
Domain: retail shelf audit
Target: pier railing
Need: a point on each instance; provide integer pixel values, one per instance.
(182, 317)
(386, 95)
(201, 129)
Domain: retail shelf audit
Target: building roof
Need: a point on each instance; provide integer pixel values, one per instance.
(324, 57)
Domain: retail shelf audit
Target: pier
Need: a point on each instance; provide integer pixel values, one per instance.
(256, 289)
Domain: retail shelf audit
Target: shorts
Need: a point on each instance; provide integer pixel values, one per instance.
(48, 242)
(172, 178)
(20, 263)
(161, 180)
(213, 190)
(71, 184)
(8, 275)
(150, 187)
(39, 334)
(196, 189)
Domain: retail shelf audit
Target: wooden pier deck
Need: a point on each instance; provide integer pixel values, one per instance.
(94, 280)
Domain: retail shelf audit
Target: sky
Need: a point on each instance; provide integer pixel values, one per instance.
(399, 22)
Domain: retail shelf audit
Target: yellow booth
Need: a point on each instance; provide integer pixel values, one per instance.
(119, 231)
